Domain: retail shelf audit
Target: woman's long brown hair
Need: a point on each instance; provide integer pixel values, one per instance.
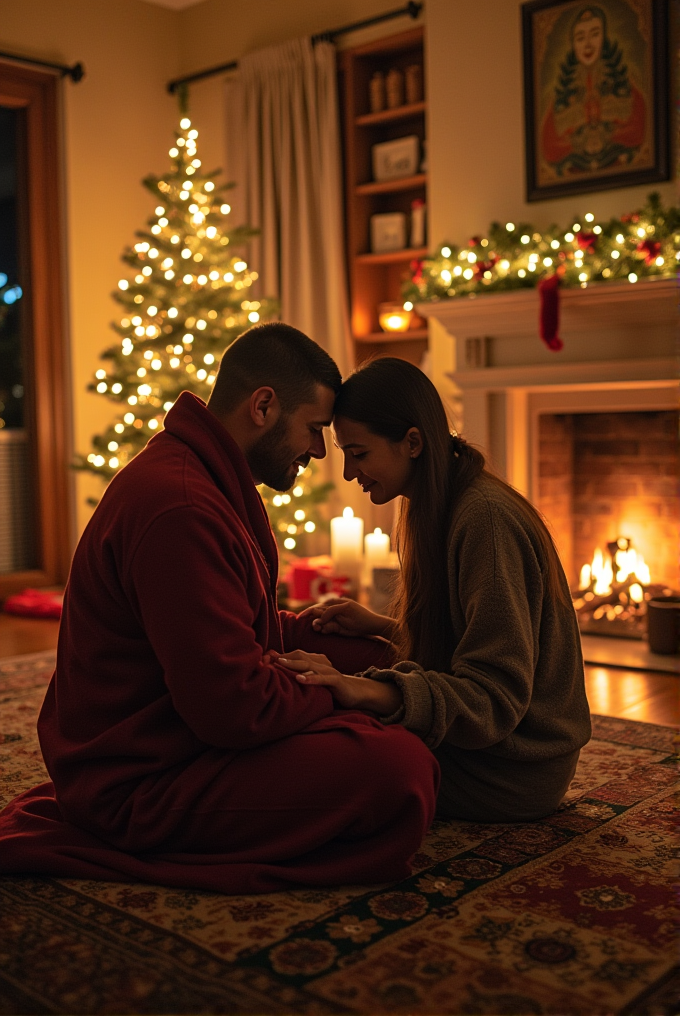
(390, 396)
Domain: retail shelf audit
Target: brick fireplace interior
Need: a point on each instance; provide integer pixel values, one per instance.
(611, 474)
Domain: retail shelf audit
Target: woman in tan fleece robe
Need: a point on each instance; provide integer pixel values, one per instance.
(491, 675)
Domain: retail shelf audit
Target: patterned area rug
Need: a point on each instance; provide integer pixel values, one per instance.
(572, 914)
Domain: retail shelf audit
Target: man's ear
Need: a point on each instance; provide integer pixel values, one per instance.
(263, 406)
(414, 442)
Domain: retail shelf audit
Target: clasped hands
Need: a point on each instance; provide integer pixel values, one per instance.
(343, 617)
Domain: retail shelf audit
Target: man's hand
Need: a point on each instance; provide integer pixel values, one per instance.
(383, 698)
(347, 617)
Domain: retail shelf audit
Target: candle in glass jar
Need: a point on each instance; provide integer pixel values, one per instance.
(376, 550)
(347, 534)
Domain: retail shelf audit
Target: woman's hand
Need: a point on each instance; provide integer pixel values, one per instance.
(347, 617)
(348, 691)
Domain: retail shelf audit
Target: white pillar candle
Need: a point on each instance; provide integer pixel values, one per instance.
(347, 534)
(376, 550)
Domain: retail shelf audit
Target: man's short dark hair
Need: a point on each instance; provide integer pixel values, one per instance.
(278, 356)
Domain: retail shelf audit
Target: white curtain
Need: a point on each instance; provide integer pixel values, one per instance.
(283, 148)
(284, 154)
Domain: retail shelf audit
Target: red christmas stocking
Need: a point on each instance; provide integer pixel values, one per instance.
(549, 316)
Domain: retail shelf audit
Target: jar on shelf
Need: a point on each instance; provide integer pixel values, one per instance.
(394, 88)
(414, 83)
(377, 92)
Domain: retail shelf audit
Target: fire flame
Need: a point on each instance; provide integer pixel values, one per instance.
(629, 564)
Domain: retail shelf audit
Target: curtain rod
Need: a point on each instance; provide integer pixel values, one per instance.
(412, 9)
(75, 73)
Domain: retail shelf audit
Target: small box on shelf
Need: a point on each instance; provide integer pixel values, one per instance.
(388, 232)
(393, 160)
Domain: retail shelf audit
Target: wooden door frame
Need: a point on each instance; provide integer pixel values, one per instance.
(38, 94)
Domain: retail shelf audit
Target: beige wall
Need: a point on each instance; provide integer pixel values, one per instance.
(117, 128)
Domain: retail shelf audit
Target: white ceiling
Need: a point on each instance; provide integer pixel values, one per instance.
(174, 5)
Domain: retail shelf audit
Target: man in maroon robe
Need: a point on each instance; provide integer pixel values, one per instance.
(178, 752)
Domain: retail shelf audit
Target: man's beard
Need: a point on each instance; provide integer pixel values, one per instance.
(271, 459)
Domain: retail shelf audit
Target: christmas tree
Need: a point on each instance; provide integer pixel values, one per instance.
(187, 301)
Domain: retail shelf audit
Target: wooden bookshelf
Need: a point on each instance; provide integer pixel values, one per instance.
(378, 278)
(404, 183)
(391, 115)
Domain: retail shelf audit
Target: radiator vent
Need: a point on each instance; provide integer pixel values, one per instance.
(17, 516)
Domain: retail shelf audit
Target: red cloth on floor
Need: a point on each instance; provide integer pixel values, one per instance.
(162, 721)
(34, 603)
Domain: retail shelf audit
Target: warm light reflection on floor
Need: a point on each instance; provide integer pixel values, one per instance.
(634, 695)
(597, 686)
(615, 691)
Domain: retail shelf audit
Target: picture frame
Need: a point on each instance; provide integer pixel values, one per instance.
(596, 95)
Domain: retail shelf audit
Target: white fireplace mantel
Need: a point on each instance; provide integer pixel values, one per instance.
(619, 353)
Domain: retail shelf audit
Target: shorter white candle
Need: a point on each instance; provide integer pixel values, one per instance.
(347, 534)
(377, 550)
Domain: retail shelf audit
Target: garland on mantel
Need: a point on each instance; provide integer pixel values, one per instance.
(642, 244)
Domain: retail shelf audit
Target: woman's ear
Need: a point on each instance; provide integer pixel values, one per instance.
(414, 442)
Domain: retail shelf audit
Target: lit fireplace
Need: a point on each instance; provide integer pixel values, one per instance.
(613, 591)
(607, 484)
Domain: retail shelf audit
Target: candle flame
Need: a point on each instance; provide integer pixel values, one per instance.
(348, 513)
(377, 531)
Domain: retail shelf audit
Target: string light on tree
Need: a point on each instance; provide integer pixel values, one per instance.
(295, 515)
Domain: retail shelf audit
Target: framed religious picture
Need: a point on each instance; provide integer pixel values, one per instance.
(596, 94)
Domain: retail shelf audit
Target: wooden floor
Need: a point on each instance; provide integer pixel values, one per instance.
(20, 635)
(612, 691)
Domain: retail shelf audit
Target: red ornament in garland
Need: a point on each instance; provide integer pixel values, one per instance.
(485, 266)
(650, 249)
(587, 241)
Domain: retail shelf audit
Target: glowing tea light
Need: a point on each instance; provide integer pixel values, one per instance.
(394, 317)
(347, 542)
(376, 550)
